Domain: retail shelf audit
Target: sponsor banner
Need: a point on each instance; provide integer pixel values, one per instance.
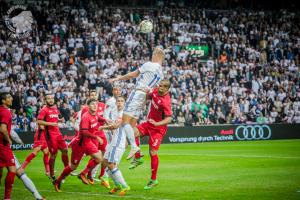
(209, 133)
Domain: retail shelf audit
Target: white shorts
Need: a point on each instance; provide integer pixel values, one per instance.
(135, 103)
(114, 154)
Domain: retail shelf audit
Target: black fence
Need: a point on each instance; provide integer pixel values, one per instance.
(211, 133)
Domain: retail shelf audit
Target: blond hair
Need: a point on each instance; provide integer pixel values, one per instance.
(159, 52)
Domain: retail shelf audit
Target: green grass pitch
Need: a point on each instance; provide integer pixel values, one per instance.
(225, 170)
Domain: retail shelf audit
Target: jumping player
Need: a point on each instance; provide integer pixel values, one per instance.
(160, 114)
(148, 76)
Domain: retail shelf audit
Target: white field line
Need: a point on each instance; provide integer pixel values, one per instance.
(130, 196)
(230, 155)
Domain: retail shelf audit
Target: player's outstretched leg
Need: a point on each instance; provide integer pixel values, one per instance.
(130, 135)
(138, 160)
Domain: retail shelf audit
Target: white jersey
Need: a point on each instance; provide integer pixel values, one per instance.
(111, 111)
(116, 147)
(150, 75)
(119, 137)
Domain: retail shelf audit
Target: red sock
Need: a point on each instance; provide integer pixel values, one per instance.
(102, 172)
(86, 169)
(154, 166)
(65, 159)
(137, 154)
(9, 181)
(90, 166)
(67, 170)
(51, 165)
(27, 161)
(46, 162)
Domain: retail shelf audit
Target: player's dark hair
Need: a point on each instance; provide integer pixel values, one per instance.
(3, 96)
(90, 101)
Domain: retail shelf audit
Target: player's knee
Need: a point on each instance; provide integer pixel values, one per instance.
(152, 152)
(12, 169)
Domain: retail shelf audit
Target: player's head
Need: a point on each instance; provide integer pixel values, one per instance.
(6, 99)
(158, 55)
(120, 102)
(92, 104)
(93, 94)
(164, 87)
(116, 91)
(49, 99)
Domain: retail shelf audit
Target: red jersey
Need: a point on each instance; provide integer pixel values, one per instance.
(5, 118)
(100, 109)
(160, 107)
(90, 123)
(50, 114)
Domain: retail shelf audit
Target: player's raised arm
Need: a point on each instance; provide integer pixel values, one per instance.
(128, 76)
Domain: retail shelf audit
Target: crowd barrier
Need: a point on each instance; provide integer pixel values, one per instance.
(207, 133)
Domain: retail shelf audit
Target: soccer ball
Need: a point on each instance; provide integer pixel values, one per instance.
(145, 26)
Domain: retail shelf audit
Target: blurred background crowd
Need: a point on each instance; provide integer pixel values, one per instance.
(252, 74)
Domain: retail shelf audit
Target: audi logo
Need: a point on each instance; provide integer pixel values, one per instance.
(253, 132)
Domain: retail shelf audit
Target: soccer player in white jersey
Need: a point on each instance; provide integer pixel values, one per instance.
(111, 111)
(115, 151)
(148, 76)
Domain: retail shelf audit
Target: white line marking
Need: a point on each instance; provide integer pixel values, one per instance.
(229, 155)
(97, 194)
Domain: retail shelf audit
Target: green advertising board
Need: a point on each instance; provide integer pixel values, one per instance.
(199, 51)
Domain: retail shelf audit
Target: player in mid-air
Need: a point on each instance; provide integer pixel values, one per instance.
(115, 150)
(39, 144)
(148, 76)
(84, 144)
(160, 114)
(6, 155)
(49, 118)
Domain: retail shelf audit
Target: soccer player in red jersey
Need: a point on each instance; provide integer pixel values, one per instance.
(49, 117)
(87, 175)
(84, 143)
(155, 127)
(39, 144)
(6, 155)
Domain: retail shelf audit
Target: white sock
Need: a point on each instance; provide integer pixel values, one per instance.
(130, 135)
(118, 177)
(30, 186)
(108, 172)
(94, 171)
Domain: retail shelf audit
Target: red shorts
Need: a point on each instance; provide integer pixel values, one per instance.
(78, 150)
(55, 143)
(101, 147)
(6, 157)
(155, 134)
(39, 140)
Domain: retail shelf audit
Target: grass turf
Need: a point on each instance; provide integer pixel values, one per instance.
(224, 170)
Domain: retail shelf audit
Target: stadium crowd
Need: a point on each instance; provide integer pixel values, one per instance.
(252, 75)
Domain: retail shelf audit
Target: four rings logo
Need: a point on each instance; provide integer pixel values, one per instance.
(253, 132)
(18, 20)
